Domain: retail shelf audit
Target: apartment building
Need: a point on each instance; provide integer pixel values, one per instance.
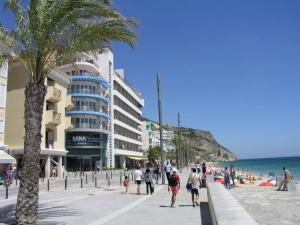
(127, 120)
(3, 85)
(54, 121)
(153, 134)
(89, 138)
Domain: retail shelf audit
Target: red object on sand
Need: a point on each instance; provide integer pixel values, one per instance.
(220, 180)
(265, 184)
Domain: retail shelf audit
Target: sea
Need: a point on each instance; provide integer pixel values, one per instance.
(266, 165)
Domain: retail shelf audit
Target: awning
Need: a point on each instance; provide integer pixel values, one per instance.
(6, 158)
(135, 157)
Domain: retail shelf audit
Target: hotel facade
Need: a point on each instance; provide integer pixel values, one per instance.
(91, 119)
(127, 123)
(54, 122)
(88, 139)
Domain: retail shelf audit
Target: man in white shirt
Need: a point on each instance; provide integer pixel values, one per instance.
(138, 175)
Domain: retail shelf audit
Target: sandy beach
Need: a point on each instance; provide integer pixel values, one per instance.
(266, 205)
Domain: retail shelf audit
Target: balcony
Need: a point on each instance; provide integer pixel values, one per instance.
(68, 123)
(53, 94)
(69, 103)
(52, 118)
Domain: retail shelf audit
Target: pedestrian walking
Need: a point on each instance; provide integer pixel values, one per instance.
(232, 175)
(198, 167)
(138, 176)
(195, 183)
(286, 178)
(204, 170)
(168, 169)
(174, 183)
(226, 178)
(149, 182)
(126, 180)
(156, 173)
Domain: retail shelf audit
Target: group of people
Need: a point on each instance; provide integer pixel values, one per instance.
(196, 179)
(7, 175)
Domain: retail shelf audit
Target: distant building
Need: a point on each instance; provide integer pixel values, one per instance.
(153, 134)
(127, 123)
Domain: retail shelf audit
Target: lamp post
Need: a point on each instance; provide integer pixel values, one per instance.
(160, 131)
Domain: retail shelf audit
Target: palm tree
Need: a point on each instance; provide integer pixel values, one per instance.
(48, 32)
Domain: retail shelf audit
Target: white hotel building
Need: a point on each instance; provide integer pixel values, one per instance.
(127, 121)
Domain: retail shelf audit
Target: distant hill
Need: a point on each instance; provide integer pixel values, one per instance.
(204, 146)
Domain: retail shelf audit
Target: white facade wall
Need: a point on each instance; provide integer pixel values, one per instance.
(120, 79)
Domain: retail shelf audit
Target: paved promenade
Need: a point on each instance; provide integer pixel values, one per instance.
(109, 206)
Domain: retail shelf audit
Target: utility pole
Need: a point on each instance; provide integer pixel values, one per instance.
(178, 150)
(160, 131)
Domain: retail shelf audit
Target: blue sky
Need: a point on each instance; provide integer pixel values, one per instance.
(230, 67)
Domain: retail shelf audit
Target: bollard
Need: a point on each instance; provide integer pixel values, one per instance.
(86, 179)
(106, 175)
(66, 183)
(93, 176)
(120, 178)
(81, 182)
(108, 181)
(48, 185)
(6, 192)
(111, 174)
(132, 177)
(95, 182)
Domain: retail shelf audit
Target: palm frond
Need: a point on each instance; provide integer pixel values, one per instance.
(53, 31)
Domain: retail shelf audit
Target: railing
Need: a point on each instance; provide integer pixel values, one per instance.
(86, 91)
(53, 93)
(89, 126)
(88, 108)
(91, 61)
(56, 117)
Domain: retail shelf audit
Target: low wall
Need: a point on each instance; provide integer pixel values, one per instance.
(224, 208)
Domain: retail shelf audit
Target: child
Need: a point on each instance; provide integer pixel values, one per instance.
(126, 183)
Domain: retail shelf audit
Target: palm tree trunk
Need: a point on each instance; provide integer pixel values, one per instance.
(28, 197)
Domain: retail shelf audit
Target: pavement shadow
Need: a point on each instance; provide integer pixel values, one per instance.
(47, 214)
(7, 214)
(205, 214)
(185, 205)
(165, 206)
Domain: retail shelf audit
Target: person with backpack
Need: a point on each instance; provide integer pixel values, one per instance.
(174, 183)
(149, 182)
(195, 183)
